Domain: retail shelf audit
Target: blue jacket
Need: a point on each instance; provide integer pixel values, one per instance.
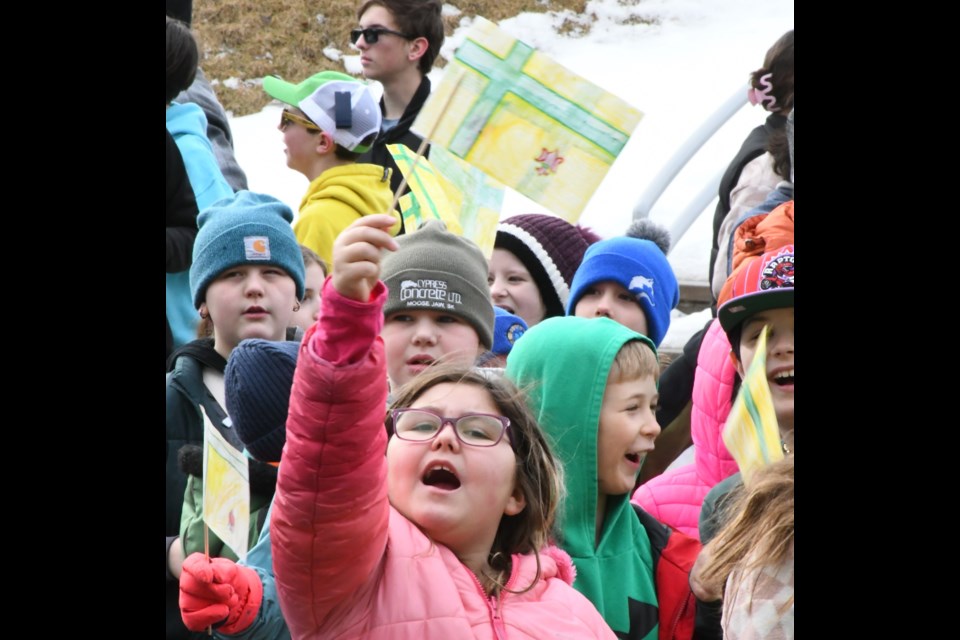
(188, 126)
(269, 624)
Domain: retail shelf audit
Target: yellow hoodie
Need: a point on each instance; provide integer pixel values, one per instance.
(336, 198)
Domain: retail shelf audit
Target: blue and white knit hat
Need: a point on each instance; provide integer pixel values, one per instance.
(638, 265)
(245, 228)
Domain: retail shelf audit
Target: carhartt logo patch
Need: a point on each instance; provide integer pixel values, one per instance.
(429, 294)
(257, 247)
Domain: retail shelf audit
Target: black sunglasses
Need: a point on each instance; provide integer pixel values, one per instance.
(372, 34)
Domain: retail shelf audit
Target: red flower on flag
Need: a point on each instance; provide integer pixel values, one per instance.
(549, 161)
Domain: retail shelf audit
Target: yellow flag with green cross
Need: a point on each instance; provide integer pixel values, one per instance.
(449, 189)
(751, 433)
(526, 120)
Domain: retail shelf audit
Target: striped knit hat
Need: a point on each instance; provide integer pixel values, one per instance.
(551, 249)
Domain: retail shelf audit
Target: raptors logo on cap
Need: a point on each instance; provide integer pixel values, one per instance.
(778, 272)
(759, 283)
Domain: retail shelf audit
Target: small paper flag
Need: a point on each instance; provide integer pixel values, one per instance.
(752, 434)
(226, 490)
(449, 189)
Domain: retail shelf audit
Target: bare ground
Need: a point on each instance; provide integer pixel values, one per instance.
(243, 40)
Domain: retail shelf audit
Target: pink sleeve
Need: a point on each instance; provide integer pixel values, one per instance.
(643, 497)
(330, 511)
(347, 327)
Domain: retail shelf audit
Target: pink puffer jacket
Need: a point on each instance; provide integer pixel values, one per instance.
(675, 497)
(347, 564)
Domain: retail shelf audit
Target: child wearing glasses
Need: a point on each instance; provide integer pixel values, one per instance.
(593, 388)
(398, 42)
(437, 308)
(329, 120)
(446, 535)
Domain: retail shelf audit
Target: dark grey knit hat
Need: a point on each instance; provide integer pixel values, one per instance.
(436, 270)
(258, 379)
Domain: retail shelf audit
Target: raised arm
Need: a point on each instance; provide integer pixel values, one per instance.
(330, 512)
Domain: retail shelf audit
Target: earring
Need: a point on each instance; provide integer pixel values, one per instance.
(297, 308)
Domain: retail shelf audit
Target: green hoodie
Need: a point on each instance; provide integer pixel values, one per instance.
(563, 364)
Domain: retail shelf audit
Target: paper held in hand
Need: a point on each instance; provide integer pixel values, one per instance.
(226, 490)
(526, 120)
(752, 434)
(449, 189)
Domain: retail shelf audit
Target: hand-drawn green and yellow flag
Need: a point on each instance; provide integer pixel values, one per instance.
(751, 434)
(449, 189)
(226, 490)
(527, 121)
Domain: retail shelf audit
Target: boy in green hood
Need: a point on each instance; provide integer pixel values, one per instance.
(592, 383)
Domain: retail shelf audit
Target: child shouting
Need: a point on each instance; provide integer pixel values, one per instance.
(445, 536)
(593, 388)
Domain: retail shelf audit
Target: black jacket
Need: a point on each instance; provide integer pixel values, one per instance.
(753, 147)
(185, 393)
(378, 153)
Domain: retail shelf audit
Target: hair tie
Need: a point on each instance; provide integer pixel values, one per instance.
(756, 96)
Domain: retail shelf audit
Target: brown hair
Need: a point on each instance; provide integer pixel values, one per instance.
(760, 531)
(310, 257)
(417, 19)
(205, 327)
(539, 474)
(635, 360)
(779, 148)
(182, 58)
(778, 63)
